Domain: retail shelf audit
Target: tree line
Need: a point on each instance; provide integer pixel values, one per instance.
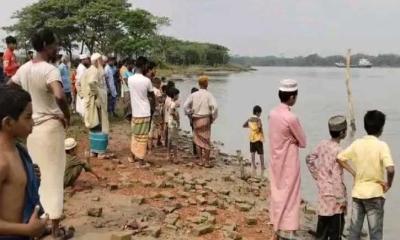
(314, 60)
(112, 27)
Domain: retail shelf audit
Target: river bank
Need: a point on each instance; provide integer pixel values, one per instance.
(164, 200)
(175, 71)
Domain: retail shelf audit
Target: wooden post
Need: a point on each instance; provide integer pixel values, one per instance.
(241, 164)
(351, 117)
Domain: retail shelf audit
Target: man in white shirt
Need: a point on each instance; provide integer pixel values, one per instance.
(51, 116)
(203, 108)
(80, 71)
(141, 89)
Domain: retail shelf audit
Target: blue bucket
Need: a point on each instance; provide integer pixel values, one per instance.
(98, 142)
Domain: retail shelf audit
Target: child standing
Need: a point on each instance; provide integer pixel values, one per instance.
(371, 157)
(173, 124)
(324, 168)
(19, 184)
(157, 118)
(256, 138)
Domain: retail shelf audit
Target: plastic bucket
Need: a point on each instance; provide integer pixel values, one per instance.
(98, 142)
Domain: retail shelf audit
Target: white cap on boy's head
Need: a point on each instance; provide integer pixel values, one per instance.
(70, 143)
(288, 85)
(83, 56)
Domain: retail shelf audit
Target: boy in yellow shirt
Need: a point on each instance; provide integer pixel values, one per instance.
(370, 157)
(256, 138)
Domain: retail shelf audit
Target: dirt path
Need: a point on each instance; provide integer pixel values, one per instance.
(164, 200)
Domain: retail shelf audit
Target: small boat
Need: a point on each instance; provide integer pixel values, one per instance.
(363, 63)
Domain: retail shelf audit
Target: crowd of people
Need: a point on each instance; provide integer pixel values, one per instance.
(35, 103)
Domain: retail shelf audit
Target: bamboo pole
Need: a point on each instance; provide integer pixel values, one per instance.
(351, 117)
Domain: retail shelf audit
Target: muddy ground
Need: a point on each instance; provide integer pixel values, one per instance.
(167, 201)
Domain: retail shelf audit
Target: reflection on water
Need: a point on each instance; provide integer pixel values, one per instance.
(322, 94)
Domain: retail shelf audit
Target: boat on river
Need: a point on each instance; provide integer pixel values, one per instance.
(363, 63)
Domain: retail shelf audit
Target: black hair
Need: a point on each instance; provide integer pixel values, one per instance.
(1, 54)
(374, 121)
(150, 65)
(164, 88)
(335, 134)
(141, 62)
(257, 109)
(30, 51)
(171, 84)
(285, 96)
(42, 38)
(194, 90)
(10, 40)
(172, 92)
(13, 101)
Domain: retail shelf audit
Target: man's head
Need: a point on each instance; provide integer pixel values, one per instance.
(141, 64)
(203, 82)
(338, 127)
(65, 59)
(173, 93)
(70, 145)
(194, 90)
(30, 54)
(104, 60)
(112, 61)
(85, 59)
(157, 83)
(96, 60)
(11, 42)
(257, 110)
(151, 69)
(288, 91)
(45, 43)
(15, 112)
(130, 64)
(374, 121)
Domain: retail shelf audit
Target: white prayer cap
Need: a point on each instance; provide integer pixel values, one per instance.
(288, 85)
(105, 58)
(70, 143)
(83, 56)
(337, 123)
(95, 57)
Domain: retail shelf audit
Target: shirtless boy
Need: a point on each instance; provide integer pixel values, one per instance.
(19, 198)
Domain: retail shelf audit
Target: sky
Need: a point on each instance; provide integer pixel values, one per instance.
(274, 27)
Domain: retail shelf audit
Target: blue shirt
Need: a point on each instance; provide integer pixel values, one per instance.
(65, 77)
(110, 81)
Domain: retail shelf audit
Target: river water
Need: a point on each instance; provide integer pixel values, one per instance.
(322, 93)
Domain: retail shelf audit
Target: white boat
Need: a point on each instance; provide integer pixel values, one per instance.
(363, 63)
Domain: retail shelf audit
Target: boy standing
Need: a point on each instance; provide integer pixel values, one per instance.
(324, 168)
(256, 138)
(19, 185)
(173, 124)
(10, 64)
(370, 157)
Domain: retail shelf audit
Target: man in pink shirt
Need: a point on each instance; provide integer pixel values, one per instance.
(286, 136)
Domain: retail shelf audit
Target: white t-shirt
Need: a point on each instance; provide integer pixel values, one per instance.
(35, 79)
(79, 72)
(139, 87)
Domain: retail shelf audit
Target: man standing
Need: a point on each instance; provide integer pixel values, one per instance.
(65, 76)
(10, 63)
(140, 88)
(286, 136)
(111, 89)
(94, 91)
(80, 71)
(203, 108)
(51, 117)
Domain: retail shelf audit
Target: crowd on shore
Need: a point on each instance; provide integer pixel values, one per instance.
(36, 100)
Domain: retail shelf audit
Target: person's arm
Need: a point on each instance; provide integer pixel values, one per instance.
(33, 228)
(344, 157)
(297, 131)
(387, 161)
(187, 106)
(214, 107)
(246, 124)
(311, 160)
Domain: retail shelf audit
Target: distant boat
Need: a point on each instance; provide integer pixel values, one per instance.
(363, 63)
